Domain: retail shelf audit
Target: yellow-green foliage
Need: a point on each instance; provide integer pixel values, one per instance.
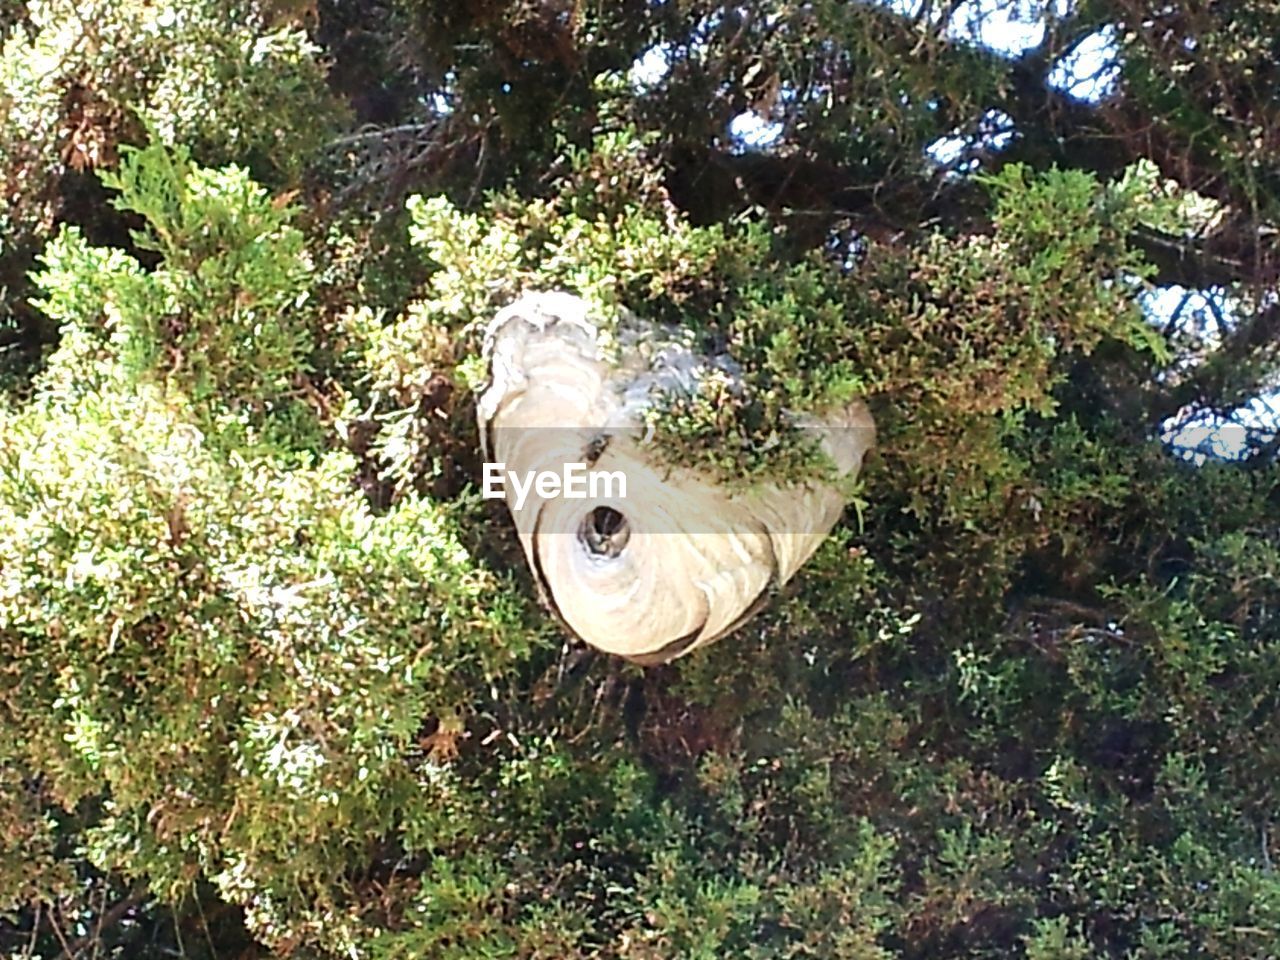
(938, 334)
(78, 81)
(228, 677)
(257, 684)
(224, 315)
(214, 75)
(235, 653)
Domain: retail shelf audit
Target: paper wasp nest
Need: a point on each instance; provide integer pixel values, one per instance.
(665, 560)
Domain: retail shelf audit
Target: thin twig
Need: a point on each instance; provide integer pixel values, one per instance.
(380, 133)
(57, 932)
(35, 929)
(110, 918)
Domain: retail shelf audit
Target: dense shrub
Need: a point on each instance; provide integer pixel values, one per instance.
(273, 679)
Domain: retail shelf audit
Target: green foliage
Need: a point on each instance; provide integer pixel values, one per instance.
(222, 92)
(1054, 939)
(78, 81)
(223, 318)
(233, 283)
(947, 330)
(270, 672)
(236, 655)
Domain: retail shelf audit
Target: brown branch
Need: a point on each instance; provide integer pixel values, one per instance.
(108, 920)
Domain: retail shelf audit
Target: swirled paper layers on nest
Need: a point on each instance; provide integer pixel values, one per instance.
(649, 562)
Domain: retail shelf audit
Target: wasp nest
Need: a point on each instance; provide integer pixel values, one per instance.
(636, 557)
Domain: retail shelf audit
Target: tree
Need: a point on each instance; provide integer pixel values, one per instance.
(274, 678)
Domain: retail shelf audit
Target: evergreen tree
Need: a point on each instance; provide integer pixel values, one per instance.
(273, 678)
